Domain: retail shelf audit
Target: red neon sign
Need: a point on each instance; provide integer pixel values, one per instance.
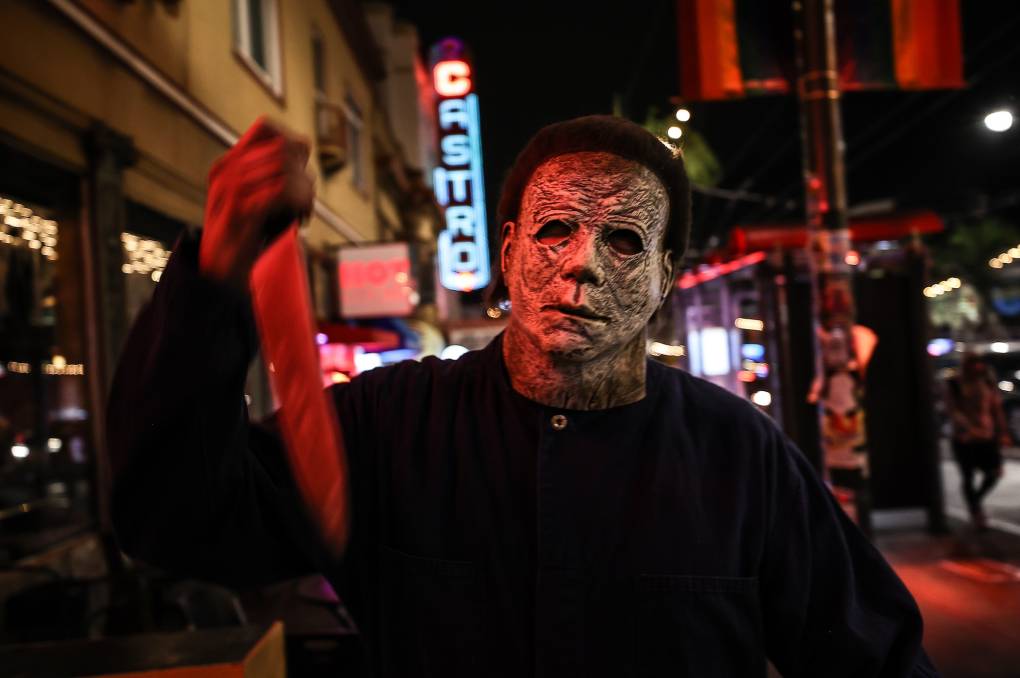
(706, 273)
(452, 78)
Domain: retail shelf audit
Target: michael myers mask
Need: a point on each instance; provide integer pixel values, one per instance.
(585, 262)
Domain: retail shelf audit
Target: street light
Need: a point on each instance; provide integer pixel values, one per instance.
(999, 121)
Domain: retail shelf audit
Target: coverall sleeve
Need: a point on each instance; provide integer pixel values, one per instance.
(198, 489)
(832, 605)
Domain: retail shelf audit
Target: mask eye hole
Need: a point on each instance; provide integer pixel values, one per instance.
(553, 232)
(625, 241)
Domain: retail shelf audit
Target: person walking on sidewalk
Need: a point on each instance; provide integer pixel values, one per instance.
(979, 431)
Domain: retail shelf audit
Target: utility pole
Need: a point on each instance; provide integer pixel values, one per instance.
(840, 361)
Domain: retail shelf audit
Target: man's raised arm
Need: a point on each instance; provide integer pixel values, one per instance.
(197, 489)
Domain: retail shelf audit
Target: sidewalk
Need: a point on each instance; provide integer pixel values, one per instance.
(1002, 505)
(967, 583)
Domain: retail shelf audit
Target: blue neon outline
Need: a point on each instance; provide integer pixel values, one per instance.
(483, 273)
(478, 192)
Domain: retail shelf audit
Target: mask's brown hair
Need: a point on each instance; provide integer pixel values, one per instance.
(605, 134)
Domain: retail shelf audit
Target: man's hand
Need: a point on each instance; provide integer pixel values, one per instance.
(256, 189)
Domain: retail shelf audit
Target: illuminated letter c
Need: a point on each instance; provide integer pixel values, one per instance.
(452, 78)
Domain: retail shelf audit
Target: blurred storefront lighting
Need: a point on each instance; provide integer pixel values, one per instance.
(674, 132)
(999, 347)
(940, 346)
(940, 288)
(683, 115)
(54, 445)
(751, 324)
(64, 370)
(658, 348)
(19, 450)
(143, 256)
(761, 398)
(995, 263)
(453, 352)
(752, 351)
(714, 348)
(1006, 385)
(19, 225)
(852, 258)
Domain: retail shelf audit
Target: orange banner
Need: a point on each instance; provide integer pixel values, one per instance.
(927, 44)
(709, 56)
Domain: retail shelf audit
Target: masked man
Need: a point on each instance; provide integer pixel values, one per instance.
(553, 505)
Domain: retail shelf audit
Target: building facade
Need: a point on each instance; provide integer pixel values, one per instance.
(111, 114)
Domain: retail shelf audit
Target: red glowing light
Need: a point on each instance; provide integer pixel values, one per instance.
(746, 377)
(706, 273)
(452, 78)
(852, 258)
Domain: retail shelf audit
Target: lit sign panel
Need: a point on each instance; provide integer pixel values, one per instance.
(458, 181)
(375, 281)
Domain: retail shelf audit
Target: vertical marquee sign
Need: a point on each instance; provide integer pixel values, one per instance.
(458, 180)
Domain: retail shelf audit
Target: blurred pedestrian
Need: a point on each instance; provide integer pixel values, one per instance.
(979, 432)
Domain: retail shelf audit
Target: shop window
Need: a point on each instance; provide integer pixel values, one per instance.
(355, 125)
(257, 40)
(44, 429)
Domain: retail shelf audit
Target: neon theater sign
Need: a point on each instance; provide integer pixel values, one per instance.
(457, 180)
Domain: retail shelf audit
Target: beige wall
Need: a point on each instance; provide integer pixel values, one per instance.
(82, 82)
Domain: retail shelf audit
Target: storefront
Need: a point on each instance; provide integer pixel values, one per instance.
(46, 438)
(746, 324)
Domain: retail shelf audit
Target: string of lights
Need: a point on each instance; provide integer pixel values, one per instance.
(21, 227)
(143, 256)
(940, 288)
(1005, 258)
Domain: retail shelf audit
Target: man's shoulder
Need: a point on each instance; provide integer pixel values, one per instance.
(701, 398)
(429, 372)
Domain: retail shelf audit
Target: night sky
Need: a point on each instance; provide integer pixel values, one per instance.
(538, 63)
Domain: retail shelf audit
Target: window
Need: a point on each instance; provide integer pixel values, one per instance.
(319, 65)
(257, 40)
(354, 133)
(45, 435)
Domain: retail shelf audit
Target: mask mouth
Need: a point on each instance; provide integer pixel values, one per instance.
(576, 311)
